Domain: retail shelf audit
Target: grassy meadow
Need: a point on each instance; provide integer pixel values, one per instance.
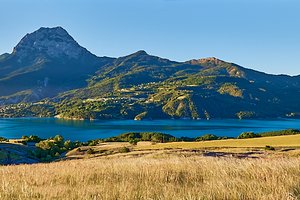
(155, 176)
(276, 141)
(223, 169)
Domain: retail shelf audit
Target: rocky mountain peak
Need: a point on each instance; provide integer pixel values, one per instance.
(205, 61)
(48, 42)
(141, 52)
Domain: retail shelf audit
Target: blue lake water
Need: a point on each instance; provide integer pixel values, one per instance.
(86, 130)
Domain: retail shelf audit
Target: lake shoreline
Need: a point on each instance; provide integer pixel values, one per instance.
(84, 130)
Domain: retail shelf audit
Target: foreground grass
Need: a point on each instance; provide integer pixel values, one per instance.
(154, 176)
(179, 170)
(276, 141)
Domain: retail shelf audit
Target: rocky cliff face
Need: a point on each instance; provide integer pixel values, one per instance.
(45, 63)
(49, 42)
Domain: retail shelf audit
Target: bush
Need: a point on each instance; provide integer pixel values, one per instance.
(59, 140)
(94, 142)
(68, 145)
(22, 142)
(90, 151)
(269, 148)
(145, 136)
(50, 149)
(282, 132)
(124, 150)
(57, 154)
(225, 138)
(2, 139)
(207, 137)
(134, 141)
(186, 139)
(48, 158)
(31, 138)
(246, 135)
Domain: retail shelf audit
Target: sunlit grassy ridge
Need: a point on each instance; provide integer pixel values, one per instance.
(276, 141)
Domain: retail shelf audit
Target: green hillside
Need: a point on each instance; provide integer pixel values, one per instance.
(50, 74)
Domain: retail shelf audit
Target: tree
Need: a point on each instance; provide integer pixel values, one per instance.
(245, 135)
(207, 137)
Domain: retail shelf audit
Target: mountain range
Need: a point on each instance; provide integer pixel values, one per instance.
(49, 74)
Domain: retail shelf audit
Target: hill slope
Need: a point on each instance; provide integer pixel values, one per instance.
(44, 63)
(49, 74)
(143, 86)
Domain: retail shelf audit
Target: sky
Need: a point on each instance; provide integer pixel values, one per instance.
(260, 34)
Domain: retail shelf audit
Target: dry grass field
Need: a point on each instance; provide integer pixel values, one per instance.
(158, 175)
(183, 170)
(276, 141)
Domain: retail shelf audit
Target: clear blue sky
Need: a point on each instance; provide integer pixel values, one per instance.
(259, 34)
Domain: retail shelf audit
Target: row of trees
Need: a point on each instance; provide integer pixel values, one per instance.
(53, 148)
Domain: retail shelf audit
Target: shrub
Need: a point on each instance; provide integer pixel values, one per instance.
(225, 138)
(50, 149)
(144, 136)
(186, 139)
(2, 139)
(90, 151)
(207, 137)
(246, 135)
(124, 150)
(134, 141)
(269, 148)
(57, 154)
(48, 158)
(31, 138)
(68, 145)
(59, 140)
(282, 132)
(94, 142)
(23, 142)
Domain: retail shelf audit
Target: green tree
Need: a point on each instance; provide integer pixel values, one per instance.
(245, 135)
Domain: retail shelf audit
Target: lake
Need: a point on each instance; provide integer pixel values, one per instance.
(87, 130)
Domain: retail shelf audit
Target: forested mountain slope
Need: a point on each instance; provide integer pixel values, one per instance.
(50, 74)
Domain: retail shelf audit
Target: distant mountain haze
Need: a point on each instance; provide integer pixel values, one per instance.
(50, 64)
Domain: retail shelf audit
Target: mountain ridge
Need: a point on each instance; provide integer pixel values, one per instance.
(49, 73)
(40, 60)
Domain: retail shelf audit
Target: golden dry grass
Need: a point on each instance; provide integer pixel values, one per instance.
(154, 176)
(276, 141)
